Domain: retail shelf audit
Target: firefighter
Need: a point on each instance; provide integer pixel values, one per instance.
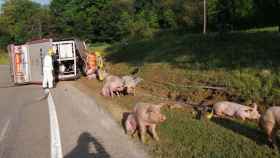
(100, 66)
(48, 70)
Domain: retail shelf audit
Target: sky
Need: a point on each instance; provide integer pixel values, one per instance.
(39, 1)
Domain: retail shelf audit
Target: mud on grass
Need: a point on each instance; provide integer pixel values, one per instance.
(182, 135)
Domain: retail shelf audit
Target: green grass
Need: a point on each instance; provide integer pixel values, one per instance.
(266, 29)
(182, 136)
(247, 64)
(4, 58)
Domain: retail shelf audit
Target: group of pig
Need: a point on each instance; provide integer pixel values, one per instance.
(115, 85)
(145, 116)
(269, 121)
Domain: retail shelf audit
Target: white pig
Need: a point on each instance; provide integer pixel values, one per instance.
(147, 116)
(226, 108)
(113, 84)
(130, 84)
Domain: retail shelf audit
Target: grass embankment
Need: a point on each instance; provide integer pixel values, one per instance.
(246, 64)
(3, 57)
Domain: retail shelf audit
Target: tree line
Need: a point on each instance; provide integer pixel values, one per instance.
(116, 20)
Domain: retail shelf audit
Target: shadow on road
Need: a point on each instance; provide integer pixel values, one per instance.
(88, 147)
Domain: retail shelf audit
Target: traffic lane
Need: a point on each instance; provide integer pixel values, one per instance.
(28, 133)
(24, 122)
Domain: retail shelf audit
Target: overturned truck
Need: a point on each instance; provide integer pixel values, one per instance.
(26, 60)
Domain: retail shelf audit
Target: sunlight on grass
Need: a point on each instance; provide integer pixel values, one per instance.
(246, 64)
(265, 29)
(182, 136)
(4, 58)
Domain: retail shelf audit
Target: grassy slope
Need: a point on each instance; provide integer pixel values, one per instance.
(247, 64)
(3, 57)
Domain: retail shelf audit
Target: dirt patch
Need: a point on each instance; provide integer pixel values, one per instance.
(116, 105)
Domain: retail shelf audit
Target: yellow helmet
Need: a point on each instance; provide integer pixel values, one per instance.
(97, 53)
(50, 51)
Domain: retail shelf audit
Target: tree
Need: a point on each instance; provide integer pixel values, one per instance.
(267, 12)
(21, 20)
(96, 20)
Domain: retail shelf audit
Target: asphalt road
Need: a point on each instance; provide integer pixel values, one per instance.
(67, 124)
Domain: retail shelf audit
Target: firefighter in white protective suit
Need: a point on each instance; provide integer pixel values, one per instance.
(48, 70)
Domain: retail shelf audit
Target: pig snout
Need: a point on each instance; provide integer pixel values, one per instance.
(162, 118)
(251, 114)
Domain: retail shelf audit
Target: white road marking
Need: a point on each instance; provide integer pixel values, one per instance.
(4, 130)
(56, 150)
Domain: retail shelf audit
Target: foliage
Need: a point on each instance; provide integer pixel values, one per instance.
(246, 63)
(120, 20)
(22, 20)
(3, 57)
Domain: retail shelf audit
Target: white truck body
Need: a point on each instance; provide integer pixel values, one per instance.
(27, 60)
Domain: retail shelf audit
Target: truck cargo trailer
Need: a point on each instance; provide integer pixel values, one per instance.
(27, 60)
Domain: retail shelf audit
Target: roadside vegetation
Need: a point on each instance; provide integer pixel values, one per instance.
(245, 64)
(3, 57)
(177, 67)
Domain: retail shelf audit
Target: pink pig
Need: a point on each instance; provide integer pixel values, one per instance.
(226, 108)
(147, 116)
(113, 84)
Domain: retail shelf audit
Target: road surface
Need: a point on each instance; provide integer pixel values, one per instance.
(67, 123)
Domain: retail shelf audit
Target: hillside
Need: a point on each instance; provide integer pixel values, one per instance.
(246, 64)
(178, 67)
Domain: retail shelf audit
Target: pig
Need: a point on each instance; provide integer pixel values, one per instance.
(226, 108)
(113, 84)
(270, 123)
(130, 84)
(147, 116)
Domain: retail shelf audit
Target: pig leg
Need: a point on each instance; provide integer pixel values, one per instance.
(273, 137)
(134, 132)
(142, 129)
(111, 93)
(269, 130)
(154, 133)
(241, 116)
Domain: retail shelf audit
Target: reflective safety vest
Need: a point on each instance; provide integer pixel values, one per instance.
(18, 62)
(91, 61)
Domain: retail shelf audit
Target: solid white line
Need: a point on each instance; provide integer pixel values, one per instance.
(4, 130)
(56, 151)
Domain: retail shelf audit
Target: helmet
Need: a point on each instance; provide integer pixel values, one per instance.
(97, 53)
(50, 51)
